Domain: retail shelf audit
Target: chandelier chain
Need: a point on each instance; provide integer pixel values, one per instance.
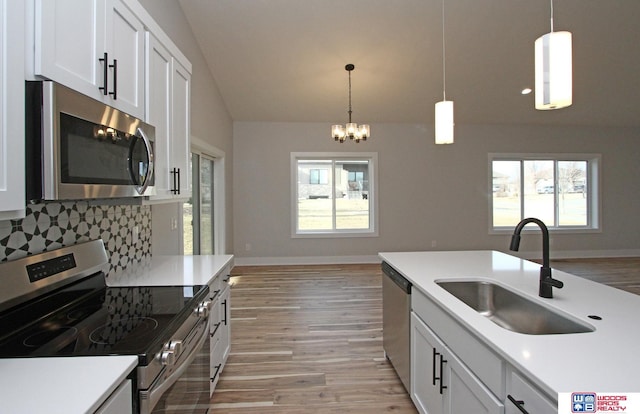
(349, 96)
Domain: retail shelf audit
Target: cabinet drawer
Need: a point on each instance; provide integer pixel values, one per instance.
(532, 400)
(486, 365)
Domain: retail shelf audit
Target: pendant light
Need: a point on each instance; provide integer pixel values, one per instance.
(444, 109)
(553, 69)
(351, 130)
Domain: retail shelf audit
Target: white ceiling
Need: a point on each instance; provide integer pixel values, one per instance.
(283, 60)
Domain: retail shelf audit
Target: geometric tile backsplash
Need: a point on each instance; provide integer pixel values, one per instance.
(51, 225)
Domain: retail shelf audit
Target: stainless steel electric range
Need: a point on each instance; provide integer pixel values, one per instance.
(57, 303)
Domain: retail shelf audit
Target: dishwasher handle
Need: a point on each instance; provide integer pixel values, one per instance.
(397, 278)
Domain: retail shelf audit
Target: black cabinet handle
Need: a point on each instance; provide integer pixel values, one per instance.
(215, 374)
(105, 78)
(433, 365)
(224, 306)
(176, 180)
(227, 279)
(518, 403)
(442, 362)
(217, 325)
(115, 79)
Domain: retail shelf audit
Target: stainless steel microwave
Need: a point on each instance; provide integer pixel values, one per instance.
(79, 148)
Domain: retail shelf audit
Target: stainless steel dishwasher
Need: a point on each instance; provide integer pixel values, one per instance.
(396, 328)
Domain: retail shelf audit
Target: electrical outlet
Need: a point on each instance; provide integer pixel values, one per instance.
(135, 233)
(247, 247)
(433, 243)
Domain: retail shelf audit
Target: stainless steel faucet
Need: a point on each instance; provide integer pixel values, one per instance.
(547, 283)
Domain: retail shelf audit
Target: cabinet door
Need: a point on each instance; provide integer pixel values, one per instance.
(465, 392)
(181, 127)
(125, 45)
(119, 402)
(425, 369)
(69, 43)
(158, 109)
(225, 327)
(527, 396)
(12, 195)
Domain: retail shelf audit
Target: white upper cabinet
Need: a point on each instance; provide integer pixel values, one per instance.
(168, 94)
(12, 168)
(93, 46)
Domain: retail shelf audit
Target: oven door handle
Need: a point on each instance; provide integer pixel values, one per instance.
(149, 398)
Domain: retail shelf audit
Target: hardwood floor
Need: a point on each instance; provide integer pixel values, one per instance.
(308, 339)
(622, 273)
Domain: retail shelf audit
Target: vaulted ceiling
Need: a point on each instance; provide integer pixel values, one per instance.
(283, 60)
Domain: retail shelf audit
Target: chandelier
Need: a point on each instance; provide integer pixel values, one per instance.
(351, 130)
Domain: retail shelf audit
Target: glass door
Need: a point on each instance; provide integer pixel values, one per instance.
(199, 210)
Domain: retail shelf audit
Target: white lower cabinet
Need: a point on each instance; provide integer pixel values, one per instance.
(524, 397)
(219, 325)
(119, 402)
(440, 382)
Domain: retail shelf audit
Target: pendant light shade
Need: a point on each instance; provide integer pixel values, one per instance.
(554, 71)
(444, 122)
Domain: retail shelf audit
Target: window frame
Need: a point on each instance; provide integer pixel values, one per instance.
(372, 158)
(594, 193)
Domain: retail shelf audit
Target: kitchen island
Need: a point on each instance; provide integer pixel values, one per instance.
(602, 360)
(66, 385)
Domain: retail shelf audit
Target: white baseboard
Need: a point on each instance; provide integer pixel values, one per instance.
(312, 260)
(304, 260)
(577, 254)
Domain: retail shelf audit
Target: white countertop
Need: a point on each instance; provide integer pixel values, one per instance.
(605, 360)
(171, 271)
(63, 385)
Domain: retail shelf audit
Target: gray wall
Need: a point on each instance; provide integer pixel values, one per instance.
(210, 120)
(426, 192)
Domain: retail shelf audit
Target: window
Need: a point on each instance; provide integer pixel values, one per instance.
(317, 176)
(333, 194)
(561, 190)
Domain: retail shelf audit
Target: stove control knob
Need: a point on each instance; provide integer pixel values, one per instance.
(174, 346)
(202, 311)
(167, 357)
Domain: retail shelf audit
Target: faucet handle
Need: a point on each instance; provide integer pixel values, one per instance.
(554, 282)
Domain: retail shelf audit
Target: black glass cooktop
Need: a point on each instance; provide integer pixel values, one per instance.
(89, 318)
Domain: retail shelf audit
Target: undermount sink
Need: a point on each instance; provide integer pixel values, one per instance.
(511, 310)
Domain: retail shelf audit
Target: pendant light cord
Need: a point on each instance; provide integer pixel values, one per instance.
(444, 65)
(552, 16)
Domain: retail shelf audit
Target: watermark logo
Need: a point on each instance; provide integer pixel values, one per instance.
(598, 402)
(583, 402)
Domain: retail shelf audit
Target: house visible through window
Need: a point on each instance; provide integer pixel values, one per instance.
(560, 190)
(333, 194)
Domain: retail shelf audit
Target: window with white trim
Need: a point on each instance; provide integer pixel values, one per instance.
(562, 190)
(333, 194)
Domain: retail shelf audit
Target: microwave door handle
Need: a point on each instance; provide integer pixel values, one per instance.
(149, 175)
